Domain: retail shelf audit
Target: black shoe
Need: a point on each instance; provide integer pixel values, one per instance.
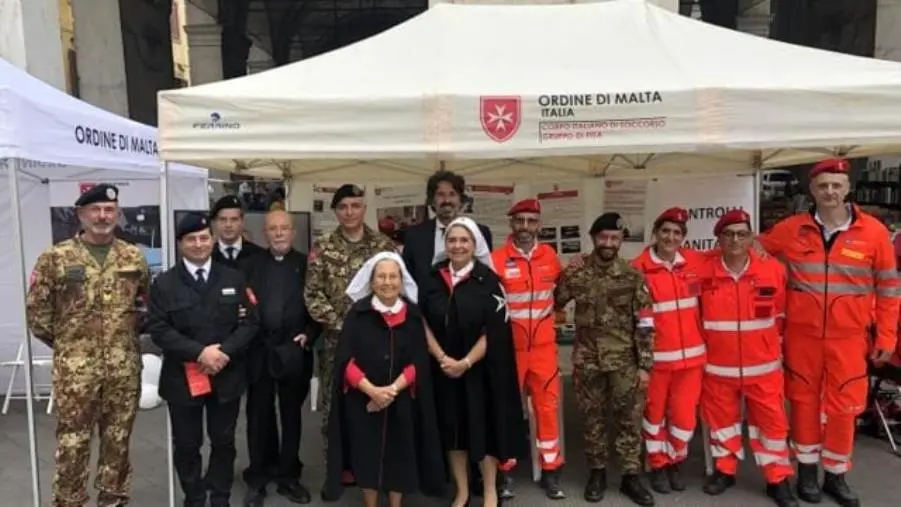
(808, 483)
(295, 492)
(835, 486)
(504, 487)
(550, 481)
(675, 478)
(718, 483)
(660, 481)
(255, 497)
(597, 485)
(782, 494)
(632, 487)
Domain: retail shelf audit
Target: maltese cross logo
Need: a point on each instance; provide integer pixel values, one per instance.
(500, 117)
(501, 301)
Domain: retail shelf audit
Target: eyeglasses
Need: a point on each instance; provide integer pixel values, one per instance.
(525, 221)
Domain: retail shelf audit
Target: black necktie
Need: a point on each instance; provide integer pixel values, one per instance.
(200, 278)
(231, 253)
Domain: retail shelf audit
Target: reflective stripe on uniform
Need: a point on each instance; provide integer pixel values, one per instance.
(739, 325)
(678, 355)
(675, 304)
(746, 371)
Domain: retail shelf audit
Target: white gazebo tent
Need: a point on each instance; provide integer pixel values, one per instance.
(47, 135)
(498, 91)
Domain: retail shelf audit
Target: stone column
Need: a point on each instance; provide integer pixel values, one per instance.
(204, 53)
(258, 60)
(30, 39)
(100, 55)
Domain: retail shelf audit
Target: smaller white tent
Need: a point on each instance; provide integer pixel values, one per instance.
(54, 141)
(540, 91)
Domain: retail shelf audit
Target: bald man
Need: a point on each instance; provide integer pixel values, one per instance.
(280, 365)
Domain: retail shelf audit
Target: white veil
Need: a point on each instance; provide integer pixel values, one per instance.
(360, 286)
(482, 251)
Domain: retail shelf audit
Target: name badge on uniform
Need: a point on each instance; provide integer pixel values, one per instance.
(75, 273)
(511, 273)
(853, 254)
(228, 291)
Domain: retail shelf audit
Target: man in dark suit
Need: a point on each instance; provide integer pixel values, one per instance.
(203, 317)
(280, 363)
(424, 242)
(227, 218)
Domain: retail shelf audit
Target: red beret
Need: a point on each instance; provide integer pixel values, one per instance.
(525, 206)
(675, 215)
(830, 165)
(736, 216)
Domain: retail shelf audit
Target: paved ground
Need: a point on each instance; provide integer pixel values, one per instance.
(876, 474)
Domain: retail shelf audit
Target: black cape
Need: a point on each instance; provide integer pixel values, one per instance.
(397, 449)
(481, 412)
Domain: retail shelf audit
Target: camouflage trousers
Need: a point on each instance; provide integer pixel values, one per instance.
(85, 400)
(325, 371)
(611, 405)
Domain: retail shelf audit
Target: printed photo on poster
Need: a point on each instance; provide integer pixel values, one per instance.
(562, 212)
(399, 207)
(488, 205)
(138, 225)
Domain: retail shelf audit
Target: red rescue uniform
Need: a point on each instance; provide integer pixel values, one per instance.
(679, 354)
(836, 279)
(742, 318)
(529, 281)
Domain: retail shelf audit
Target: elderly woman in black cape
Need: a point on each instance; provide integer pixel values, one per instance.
(479, 404)
(383, 431)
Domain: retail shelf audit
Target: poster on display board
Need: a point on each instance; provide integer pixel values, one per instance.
(138, 221)
(398, 207)
(255, 228)
(488, 205)
(323, 218)
(706, 200)
(562, 217)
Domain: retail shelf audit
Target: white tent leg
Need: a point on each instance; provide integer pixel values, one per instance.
(15, 208)
(165, 238)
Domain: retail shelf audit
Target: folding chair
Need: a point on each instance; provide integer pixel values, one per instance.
(884, 391)
(16, 364)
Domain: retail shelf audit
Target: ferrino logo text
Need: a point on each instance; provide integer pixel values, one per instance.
(216, 122)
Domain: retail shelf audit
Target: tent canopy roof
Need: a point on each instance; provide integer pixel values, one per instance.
(43, 124)
(647, 89)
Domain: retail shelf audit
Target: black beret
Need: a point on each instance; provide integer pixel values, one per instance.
(345, 191)
(99, 193)
(192, 222)
(608, 222)
(227, 202)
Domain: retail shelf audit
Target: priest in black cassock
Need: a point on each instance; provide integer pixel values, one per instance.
(227, 218)
(280, 365)
(383, 431)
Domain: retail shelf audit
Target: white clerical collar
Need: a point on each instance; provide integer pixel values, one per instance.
(380, 307)
(192, 268)
(678, 259)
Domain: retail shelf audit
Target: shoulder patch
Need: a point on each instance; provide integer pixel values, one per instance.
(314, 254)
(33, 278)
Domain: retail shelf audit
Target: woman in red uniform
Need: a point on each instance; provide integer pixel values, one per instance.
(679, 351)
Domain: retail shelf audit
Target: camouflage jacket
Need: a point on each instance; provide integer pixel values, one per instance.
(332, 263)
(86, 311)
(613, 314)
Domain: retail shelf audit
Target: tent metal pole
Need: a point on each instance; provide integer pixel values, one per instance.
(15, 208)
(165, 216)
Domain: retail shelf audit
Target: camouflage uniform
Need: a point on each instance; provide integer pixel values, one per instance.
(88, 314)
(610, 347)
(333, 262)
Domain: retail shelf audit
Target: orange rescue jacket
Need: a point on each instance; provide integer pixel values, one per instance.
(743, 318)
(529, 284)
(678, 342)
(835, 285)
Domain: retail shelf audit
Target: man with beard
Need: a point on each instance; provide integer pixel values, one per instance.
(424, 242)
(528, 271)
(612, 356)
(334, 260)
(280, 363)
(82, 303)
(227, 216)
